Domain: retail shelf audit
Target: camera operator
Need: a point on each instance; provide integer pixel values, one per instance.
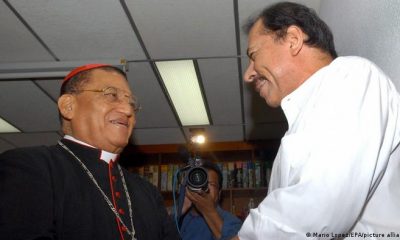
(203, 218)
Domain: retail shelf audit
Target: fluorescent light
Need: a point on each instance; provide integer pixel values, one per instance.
(5, 127)
(183, 87)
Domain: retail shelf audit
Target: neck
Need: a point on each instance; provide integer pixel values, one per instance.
(310, 62)
(69, 137)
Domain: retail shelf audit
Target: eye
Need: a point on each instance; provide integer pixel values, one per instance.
(111, 93)
(253, 55)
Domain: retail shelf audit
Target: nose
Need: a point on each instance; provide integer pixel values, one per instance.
(126, 108)
(250, 74)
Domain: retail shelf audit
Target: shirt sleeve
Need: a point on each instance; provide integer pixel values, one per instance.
(330, 167)
(231, 225)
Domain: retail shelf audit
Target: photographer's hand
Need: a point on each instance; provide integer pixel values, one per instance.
(202, 200)
(206, 205)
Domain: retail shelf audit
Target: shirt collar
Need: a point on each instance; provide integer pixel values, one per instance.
(105, 156)
(294, 103)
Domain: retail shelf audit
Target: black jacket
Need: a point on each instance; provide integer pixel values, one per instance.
(46, 194)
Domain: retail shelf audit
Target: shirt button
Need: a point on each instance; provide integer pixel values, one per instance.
(121, 211)
(118, 194)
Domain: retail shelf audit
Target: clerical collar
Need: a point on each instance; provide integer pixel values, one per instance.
(105, 156)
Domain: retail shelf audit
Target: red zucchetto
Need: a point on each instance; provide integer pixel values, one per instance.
(83, 68)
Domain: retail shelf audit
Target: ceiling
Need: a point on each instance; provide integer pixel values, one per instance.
(42, 40)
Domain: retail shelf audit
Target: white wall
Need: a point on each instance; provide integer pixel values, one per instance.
(367, 28)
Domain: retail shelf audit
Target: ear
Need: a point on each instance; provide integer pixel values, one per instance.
(66, 105)
(295, 38)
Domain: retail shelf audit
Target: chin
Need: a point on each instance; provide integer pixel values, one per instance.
(119, 137)
(119, 143)
(122, 144)
(272, 104)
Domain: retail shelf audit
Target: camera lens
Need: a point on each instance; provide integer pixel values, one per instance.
(197, 179)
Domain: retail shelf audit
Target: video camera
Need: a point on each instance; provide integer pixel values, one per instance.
(197, 176)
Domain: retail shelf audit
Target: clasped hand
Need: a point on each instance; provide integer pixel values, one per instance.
(201, 200)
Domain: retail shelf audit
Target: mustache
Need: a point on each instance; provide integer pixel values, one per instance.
(259, 83)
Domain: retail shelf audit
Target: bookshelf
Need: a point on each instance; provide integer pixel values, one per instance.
(151, 161)
(236, 200)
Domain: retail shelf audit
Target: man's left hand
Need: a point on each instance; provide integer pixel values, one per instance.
(202, 201)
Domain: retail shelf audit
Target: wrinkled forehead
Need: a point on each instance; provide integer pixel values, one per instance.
(257, 30)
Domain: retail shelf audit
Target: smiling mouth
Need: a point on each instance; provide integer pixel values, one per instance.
(120, 122)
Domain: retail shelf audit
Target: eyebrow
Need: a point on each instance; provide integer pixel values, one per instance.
(248, 53)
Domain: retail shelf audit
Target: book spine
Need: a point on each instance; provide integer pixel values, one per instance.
(257, 168)
(170, 175)
(250, 166)
(245, 175)
(239, 175)
(164, 177)
(225, 175)
(155, 175)
(231, 175)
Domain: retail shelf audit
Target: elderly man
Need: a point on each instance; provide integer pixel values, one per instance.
(336, 173)
(76, 189)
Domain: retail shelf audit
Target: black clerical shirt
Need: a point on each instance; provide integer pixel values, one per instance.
(46, 194)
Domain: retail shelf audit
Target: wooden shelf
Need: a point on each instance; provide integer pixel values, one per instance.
(235, 200)
(208, 147)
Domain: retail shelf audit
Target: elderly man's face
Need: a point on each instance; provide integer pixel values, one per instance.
(269, 65)
(100, 120)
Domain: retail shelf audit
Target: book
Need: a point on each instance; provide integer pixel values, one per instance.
(239, 174)
(155, 171)
(164, 177)
(231, 175)
(245, 175)
(225, 177)
(257, 174)
(250, 168)
(170, 175)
